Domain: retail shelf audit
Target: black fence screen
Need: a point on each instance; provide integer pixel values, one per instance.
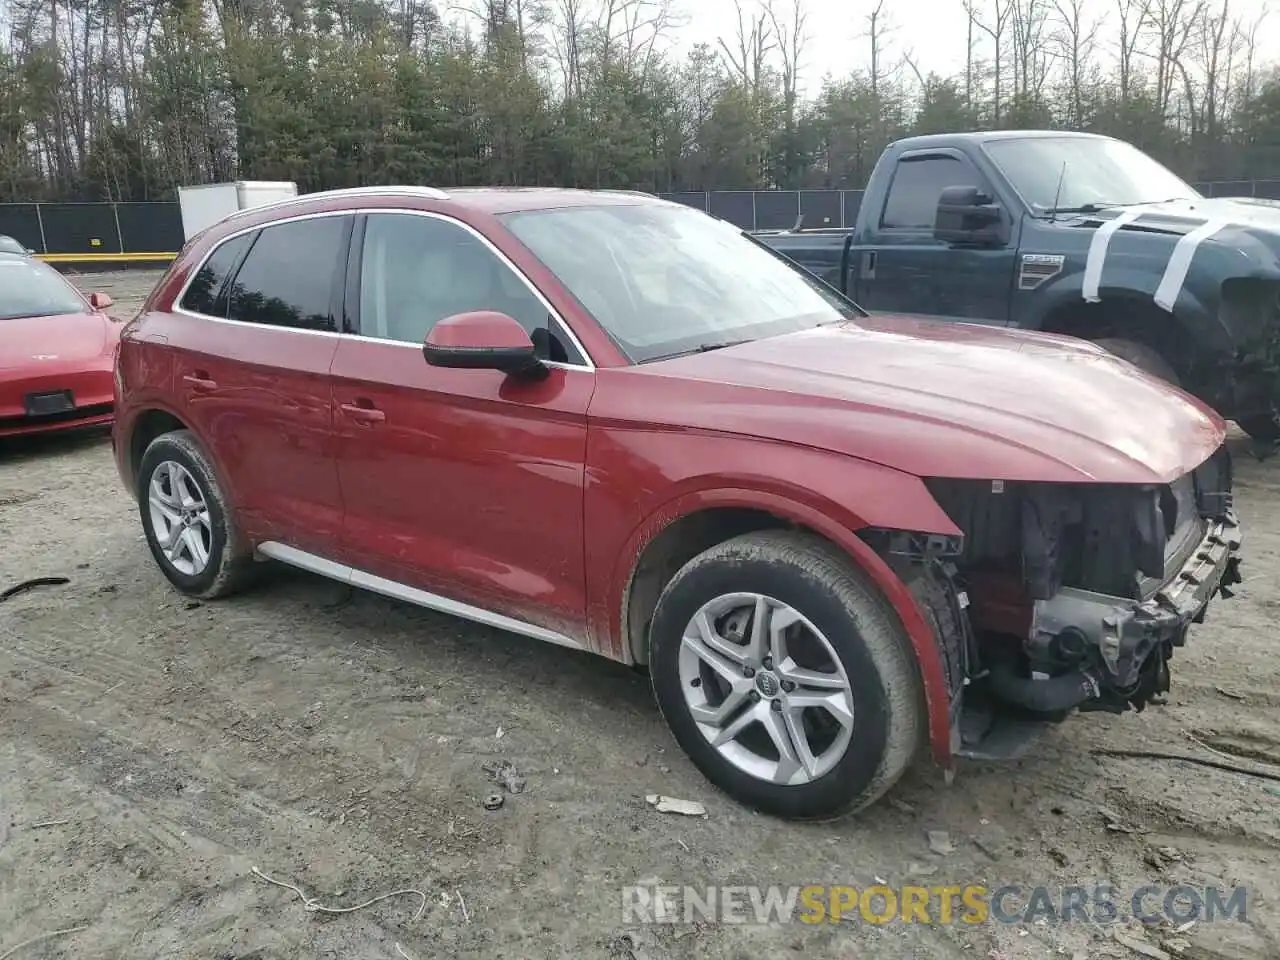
(22, 222)
(150, 227)
(80, 228)
(123, 231)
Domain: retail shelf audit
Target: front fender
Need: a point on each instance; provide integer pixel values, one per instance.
(831, 495)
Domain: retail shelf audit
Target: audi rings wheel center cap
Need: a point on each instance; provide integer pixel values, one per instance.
(767, 684)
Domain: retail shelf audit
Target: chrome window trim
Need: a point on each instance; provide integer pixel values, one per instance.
(502, 257)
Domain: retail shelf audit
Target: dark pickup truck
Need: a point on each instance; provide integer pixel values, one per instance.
(1073, 234)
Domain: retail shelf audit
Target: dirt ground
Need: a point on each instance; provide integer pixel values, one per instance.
(154, 751)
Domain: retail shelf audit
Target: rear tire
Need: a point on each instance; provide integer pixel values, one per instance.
(1143, 357)
(854, 683)
(188, 524)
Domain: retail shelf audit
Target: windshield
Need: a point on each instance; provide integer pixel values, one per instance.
(10, 245)
(664, 280)
(1099, 173)
(29, 288)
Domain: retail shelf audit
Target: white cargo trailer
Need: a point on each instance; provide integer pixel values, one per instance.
(205, 205)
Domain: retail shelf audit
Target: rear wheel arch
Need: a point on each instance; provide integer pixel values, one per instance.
(189, 526)
(145, 428)
(694, 523)
(155, 422)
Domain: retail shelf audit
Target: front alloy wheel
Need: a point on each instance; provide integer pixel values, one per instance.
(766, 688)
(786, 676)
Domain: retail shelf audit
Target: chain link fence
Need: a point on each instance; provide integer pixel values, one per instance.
(141, 232)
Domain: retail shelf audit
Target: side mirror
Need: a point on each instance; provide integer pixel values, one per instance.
(966, 215)
(483, 340)
(100, 301)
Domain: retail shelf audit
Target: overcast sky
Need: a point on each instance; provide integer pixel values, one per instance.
(931, 31)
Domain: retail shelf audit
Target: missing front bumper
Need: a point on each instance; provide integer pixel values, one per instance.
(1114, 639)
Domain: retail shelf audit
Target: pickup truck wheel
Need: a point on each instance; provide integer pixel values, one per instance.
(1141, 356)
(785, 676)
(188, 526)
(1261, 427)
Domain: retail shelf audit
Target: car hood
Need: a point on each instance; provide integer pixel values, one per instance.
(944, 400)
(67, 337)
(1249, 224)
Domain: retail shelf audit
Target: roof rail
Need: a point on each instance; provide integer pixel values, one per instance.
(430, 193)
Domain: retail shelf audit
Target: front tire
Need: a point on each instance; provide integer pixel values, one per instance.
(785, 676)
(1262, 428)
(189, 528)
(1143, 357)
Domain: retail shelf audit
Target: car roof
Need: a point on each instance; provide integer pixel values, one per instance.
(490, 200)
(988, 136)
(499, 200)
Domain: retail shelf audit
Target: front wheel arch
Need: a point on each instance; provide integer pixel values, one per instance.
(773, 510)
(851, 656)
(1125, 320)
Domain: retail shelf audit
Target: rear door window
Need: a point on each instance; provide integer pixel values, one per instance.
(291, 274)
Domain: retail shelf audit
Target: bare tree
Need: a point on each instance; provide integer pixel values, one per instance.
(1133, 19)
(1173, 24)
(1075, 37)
(1032, 54)
(567, 43)
(995, 29)
(792, 37)
(753, 41)
(877, 27)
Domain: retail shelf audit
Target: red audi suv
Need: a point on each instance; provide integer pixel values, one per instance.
(614, 423)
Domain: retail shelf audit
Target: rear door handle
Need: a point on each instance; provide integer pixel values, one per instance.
(363, 411)
(200, 381)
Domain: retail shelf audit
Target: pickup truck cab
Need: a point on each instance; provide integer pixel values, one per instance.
(1074, 234)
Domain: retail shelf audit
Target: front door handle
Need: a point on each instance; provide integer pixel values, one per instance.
(200, 381)
(363, 411)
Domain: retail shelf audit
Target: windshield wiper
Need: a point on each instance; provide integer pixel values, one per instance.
(720, 344)
(1095, 207)
(1148, 203)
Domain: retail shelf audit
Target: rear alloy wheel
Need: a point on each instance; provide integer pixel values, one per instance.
(786, 676)
(186, 521)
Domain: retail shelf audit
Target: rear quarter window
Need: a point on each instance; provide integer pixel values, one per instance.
(205, 294)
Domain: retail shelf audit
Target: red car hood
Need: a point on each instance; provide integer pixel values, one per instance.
(945, 400)
(67, 338)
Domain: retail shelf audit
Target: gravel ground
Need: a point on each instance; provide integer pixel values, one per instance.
(154, 751)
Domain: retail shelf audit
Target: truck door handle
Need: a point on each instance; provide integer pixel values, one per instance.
(200, 381)
(363, 411)
(869, 265)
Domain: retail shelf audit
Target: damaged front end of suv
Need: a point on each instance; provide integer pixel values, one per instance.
(1066, 595)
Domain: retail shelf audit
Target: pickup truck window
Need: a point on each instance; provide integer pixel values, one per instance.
(1099, 172)
(918, 182)
(663, 280)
